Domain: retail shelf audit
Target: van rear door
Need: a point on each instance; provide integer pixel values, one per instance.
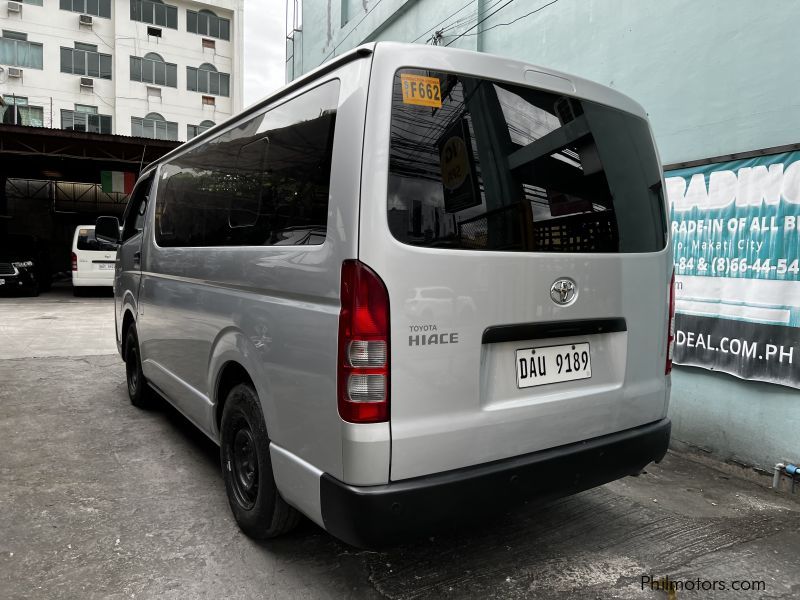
(522, 237)
(95, 258)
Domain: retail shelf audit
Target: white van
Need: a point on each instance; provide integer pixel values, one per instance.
(92, 260)
(415, 282)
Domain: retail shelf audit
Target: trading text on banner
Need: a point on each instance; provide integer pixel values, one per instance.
(737, 259)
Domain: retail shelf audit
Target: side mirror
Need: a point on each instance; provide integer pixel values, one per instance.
(106, 229)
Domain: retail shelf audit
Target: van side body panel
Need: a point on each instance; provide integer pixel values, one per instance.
(272, 309)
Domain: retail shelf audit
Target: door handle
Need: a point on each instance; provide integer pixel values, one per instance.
(137, 258)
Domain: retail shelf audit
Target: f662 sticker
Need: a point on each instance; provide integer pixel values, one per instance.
(421, 90)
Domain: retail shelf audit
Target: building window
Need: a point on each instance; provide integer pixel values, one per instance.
(84, 59)
(17, 111)
(193, 131)
(207, 23)
(15, 35)
(85, 118)
(153, 69)
(98, 8)
(154, 126)
(208, 80)
(154, 12)
(17, 51)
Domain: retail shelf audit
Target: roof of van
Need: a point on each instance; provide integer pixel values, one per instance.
(571, 84)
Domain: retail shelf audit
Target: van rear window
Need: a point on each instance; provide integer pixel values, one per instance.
(484, 165)
(87, 241)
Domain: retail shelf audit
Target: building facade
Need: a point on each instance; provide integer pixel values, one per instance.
(718, 80)
(144, 68)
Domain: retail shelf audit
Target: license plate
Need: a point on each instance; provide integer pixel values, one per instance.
(553, 364)
(106, 266)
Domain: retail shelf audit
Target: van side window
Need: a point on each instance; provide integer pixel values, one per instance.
(266, 182)
(137, 207)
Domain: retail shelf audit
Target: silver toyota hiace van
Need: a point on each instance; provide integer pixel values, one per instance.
(413, 283)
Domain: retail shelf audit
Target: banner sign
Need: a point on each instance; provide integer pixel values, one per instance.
(737, 260)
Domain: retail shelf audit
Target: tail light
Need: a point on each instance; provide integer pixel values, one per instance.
(670, 325)
(363, 361)
(74, 262)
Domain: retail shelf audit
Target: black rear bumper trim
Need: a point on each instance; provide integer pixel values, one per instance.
(539, 331)
(375, 516)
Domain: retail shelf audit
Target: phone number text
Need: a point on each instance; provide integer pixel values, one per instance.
(723, 265)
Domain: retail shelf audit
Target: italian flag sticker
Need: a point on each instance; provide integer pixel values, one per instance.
(117, 181)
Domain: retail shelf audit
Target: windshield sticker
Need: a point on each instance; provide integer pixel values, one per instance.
(421, 90)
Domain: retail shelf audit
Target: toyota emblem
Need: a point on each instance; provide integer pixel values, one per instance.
(563, 291)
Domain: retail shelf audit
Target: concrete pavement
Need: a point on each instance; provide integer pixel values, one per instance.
(57, 324)
(101, 500)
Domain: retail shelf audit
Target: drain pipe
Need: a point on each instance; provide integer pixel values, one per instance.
(776, 478)
(790, 470)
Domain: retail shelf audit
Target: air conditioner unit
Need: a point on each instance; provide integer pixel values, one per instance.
(14, 7)
(85, 20)
(87, 83)
(15, 72)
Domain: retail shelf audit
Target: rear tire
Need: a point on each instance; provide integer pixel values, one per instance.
(139, 392)
(257, 506)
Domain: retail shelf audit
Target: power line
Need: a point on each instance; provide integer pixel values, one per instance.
(491, 14)
(443, 20)
(513, 20)
(458, 22)
(374, 6)
(466, 31)
(471, 18)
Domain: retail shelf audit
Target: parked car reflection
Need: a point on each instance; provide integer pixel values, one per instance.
(438, 302)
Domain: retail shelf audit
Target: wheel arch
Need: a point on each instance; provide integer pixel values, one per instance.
(234, 359)
(231, 374)
(127, 320)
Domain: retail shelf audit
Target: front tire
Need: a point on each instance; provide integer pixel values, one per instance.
(139, 392)
(258, 508)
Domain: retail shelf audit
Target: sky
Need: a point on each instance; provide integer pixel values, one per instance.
(264, 48)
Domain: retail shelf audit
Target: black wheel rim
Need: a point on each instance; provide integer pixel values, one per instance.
(244, 467)
(132, 371)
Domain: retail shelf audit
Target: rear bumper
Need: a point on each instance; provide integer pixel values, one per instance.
(93, 280)
(379, 515)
